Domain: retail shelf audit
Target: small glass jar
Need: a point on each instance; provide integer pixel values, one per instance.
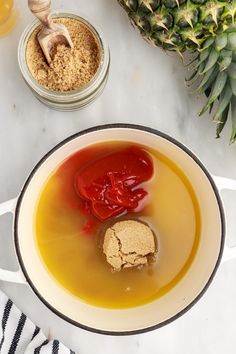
(7, 16)
(70, 100)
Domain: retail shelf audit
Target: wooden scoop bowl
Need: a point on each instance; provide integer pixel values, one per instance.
(51, 33)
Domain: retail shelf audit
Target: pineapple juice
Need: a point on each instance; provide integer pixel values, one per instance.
(7, 16)
(75, 259)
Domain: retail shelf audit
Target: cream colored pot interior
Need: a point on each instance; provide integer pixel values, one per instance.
(144, 316)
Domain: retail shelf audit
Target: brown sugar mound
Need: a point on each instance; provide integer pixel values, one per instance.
(128, 244)
(71, 68)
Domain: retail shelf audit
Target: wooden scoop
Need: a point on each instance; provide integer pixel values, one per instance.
(51, 33)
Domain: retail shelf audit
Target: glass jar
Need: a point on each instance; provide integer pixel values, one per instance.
(7, 16)
(71, 100)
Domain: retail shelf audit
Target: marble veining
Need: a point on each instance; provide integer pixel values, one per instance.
(145, 86)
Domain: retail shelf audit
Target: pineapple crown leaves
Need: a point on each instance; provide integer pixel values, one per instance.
(207, 29)
(216, 71)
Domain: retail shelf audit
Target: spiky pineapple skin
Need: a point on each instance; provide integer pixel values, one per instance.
(180, 24)
(201, 26)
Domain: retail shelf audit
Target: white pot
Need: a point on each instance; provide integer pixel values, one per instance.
(166, 308)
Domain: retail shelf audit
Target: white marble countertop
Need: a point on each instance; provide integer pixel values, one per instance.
(147, 87)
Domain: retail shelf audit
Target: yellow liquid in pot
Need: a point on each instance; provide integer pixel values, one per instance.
(76, 261)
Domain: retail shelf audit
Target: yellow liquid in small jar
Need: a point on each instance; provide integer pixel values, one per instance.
(7, 16)
(76, 260)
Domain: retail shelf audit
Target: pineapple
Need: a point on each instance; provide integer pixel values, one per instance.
(205, 28)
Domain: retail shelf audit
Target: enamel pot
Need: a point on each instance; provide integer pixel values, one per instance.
(143, 318)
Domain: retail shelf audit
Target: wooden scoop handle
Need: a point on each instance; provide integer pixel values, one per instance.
(42, 10)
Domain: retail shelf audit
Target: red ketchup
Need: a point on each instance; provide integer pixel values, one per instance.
(110, 185)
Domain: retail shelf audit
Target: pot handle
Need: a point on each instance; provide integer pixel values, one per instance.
(7, 275)
(224, 183)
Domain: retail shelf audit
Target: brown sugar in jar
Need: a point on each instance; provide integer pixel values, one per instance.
(67, 84)
(71, 68)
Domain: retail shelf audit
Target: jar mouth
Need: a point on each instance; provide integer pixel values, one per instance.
(82, 92)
